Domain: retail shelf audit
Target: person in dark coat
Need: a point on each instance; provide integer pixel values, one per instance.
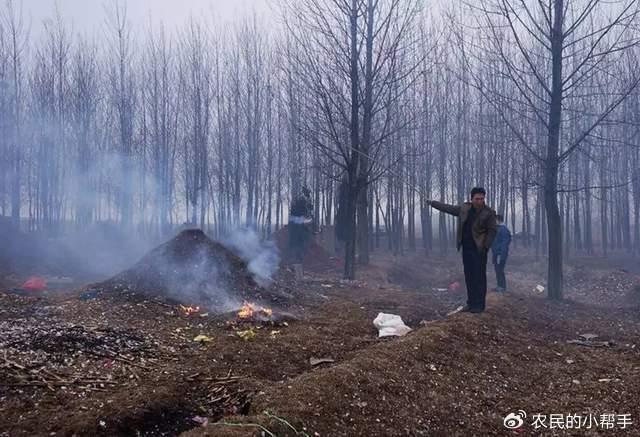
(500, 250)
(475, 234)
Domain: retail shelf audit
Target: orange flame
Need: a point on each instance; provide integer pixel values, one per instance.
(190, 310)
(246, 311)
(250, 311)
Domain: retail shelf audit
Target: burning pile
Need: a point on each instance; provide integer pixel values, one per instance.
(189, 310)
(250, 318)
(251, 312)
(193, 270)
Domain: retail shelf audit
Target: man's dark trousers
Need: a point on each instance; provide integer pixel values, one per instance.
(297, 241)
(501, 278)
(475, 275)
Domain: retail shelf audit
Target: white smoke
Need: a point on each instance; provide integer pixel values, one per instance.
(200, 283)
(261, 256)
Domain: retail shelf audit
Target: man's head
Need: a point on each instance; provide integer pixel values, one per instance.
(477, 197)
(499, 219)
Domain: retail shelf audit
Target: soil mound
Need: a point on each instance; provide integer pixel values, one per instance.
(315, 259)
(194, 270)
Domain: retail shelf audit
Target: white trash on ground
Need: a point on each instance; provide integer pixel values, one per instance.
(390, 325)
(456, 311)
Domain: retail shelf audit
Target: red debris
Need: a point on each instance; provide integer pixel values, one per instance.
(35, 283)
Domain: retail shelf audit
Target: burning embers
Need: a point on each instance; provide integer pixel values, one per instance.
(248, 313)
(189, 310)
(250, 318)
(254, 313)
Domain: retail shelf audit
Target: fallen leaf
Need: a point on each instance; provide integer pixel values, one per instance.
(247, 335)
(203, 421)
(318, 361)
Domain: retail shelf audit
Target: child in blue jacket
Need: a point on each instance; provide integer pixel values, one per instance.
(500, 249)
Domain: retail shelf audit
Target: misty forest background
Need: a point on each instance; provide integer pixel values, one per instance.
(400, 101)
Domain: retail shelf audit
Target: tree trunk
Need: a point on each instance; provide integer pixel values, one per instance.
(554, 223)
(367, 125)
(363, 227)
(353, 168)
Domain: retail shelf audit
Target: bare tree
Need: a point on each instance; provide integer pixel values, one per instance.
(196, 81)
(161, 105)
(85, 101)
(123, 99)
(5, 116)
(50, 89)
(202, 126)
(16, 39)
(350, 65)
(550, 51)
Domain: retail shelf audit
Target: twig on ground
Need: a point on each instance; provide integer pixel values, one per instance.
(281, 420)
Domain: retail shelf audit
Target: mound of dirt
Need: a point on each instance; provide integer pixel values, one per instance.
(194, 270)
(424, 273)
(315, 257)
(514, 354)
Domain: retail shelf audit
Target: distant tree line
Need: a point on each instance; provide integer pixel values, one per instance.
(222, 126)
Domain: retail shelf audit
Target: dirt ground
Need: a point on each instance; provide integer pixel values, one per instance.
(77, 364)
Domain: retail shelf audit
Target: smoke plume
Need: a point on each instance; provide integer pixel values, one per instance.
(261, 256)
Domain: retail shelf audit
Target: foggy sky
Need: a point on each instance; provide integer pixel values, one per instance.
(88, 16)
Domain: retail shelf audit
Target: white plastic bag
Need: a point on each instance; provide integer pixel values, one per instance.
(390, 325)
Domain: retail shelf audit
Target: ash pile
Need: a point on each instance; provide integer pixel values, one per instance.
(191, 269)
(41, 352)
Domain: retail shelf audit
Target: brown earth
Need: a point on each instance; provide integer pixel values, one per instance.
(131, 366)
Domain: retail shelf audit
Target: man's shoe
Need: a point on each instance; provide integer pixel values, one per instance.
(476, 310)
(466, 309)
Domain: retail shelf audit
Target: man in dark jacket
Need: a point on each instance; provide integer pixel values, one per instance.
(475, 234)
(500, 249)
